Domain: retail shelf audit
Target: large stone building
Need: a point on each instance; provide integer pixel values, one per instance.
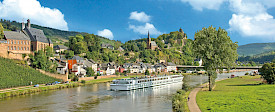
(151, 44)
(25, 41)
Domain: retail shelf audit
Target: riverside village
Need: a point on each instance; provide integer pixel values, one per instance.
(137, 56)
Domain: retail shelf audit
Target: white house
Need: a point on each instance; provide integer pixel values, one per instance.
(62, 68)
(171, 67)
(78, 70)
(90, 63)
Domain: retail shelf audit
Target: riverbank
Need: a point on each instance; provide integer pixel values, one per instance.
(238, 94)
(11, 92)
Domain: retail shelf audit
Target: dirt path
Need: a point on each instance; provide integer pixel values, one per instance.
(192, 103)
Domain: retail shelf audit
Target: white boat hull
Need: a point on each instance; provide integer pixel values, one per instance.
(139, 84)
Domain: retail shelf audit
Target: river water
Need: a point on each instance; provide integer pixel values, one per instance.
(99, 98)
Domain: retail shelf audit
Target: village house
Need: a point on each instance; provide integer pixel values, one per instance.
(90, 63)
(62, 67)
(60, 48)
(171, 67)
(106, 45)
(107, 69)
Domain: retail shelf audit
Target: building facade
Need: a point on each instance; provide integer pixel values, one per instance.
(25, 41)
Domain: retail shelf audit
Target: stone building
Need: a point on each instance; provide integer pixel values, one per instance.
(25, 41)
(151, 44)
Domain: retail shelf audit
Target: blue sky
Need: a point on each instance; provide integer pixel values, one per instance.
(247, 21)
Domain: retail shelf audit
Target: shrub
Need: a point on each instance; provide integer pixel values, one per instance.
(268, 72)
(83, 81)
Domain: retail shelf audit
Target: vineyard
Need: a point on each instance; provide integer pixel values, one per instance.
(13, 75)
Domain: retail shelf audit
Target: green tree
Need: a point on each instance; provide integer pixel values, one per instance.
(49, 51)
(80, 47)
(215, 49)
(69, 54)
(1, 31)
(147, 72)
(268, 72)
(90, 72)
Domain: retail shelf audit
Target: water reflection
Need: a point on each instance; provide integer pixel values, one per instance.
(99, 98)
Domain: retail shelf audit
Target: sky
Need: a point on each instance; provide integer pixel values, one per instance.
(246, 21)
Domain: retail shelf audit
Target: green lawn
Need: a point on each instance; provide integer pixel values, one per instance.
(238, 95)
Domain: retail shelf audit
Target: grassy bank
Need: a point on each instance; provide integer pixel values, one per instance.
(28, 90)
(238, 94)
(179, 101)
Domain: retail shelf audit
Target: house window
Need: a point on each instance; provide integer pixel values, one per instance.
(11, 48)
(11, 42)
(21, 48)
(21, 42)
(24, 48)
(14, 47)
(18, 48)
(8, 47)
(27, 48)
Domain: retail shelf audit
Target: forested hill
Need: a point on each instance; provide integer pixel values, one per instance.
(260, 58)
(255, 48)
(55, 35)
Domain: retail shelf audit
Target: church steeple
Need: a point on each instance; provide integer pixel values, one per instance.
(148, 41)
(148, 34)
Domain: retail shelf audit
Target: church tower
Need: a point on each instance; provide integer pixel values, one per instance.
(148, 41)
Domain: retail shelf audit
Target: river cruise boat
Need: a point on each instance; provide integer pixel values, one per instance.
(144, 82)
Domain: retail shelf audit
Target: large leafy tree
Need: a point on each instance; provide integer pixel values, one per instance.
(216, 50)
(268, 72)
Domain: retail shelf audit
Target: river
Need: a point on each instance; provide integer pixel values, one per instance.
(99, 98)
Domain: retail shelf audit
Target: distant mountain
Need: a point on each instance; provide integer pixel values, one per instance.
(255, 48)
(57, 36)
(260, 58)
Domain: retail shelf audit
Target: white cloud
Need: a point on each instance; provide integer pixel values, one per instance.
(106, 33)
(143, 29)
(141, 17)
(251, 19)
(204, 4)
(32, 9)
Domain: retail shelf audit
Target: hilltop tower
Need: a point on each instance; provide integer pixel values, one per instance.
(29, 23)
(148, 41)
(181, 31)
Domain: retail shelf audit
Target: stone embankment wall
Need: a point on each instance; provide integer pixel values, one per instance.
(58, 76)
(98, 77)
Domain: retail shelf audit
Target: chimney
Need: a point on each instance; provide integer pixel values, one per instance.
(23, 25)
(29, 23)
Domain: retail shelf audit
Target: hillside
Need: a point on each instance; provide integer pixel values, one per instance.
(255, 48)
(13, 75)
(260, 58)
(57, 36)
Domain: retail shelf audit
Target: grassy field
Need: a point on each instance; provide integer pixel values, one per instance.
(238, 95)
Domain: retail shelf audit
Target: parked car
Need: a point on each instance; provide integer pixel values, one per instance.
(48, 84)
(67, 82)
(37, 85)
(56, 82)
